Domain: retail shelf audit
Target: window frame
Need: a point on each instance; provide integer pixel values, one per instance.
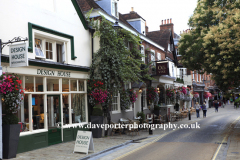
(54, 39)
(145, 91)
(153, 56)
(143, 53)
(159, 56)
(118, 109)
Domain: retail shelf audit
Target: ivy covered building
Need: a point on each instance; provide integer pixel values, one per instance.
(156, 47)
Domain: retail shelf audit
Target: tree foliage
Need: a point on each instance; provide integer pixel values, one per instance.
(213, 44)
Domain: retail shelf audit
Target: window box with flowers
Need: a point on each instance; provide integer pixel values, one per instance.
(12, 95)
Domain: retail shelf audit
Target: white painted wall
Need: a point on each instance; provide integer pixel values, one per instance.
(59, 15)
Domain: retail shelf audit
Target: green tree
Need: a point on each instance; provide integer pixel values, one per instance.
(213, 43)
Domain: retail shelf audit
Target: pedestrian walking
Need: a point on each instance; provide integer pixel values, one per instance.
(231, 100)
(204, 108)
(197, 106)
(216, 105)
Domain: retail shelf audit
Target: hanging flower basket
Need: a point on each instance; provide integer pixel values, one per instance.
(133, 95)
(152, 95)
(206, 95)
(170, 94)
(196, 95)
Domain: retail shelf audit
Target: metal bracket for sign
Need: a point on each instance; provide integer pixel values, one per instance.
(14, 40)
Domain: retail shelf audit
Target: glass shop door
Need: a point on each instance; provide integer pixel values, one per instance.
(54, 119)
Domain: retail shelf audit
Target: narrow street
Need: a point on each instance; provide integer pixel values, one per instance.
(208, 142)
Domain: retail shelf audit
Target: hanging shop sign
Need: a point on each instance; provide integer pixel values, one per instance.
(18, 55)
(84, 142)
(162, 69)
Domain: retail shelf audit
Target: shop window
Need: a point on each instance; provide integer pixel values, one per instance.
(65, 109)
(81, 85)
(37, 111)
(78, 108)
(73, 85)
(23, 115)
(65, 85)
(52, 84)
(29, 83)
(39, 84)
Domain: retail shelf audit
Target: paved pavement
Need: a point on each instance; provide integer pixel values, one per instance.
(104, 146)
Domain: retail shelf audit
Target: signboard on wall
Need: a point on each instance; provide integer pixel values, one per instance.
(18, 55)
(84, 142)
(162, 69)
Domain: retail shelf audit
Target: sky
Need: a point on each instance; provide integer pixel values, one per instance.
(154, 11)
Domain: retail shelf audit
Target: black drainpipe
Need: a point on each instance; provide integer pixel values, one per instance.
(90, 108)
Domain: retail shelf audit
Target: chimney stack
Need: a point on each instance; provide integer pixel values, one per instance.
(167, 26)
(132, 10)
(146, 27)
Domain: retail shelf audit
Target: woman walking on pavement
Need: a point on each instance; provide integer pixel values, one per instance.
(197, 106)
(204, 108)
(216, 106)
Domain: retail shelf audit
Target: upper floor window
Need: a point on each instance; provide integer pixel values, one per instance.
(114, 9)
(143, 54)
(197, 75)
(153, 57)
(193, 75)
(50, 49)
(173, 71)
(159, 56)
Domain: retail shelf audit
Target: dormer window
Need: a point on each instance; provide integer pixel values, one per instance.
(114, 9)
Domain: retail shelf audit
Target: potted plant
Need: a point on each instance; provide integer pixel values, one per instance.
(176, 107)
(142, 115)
(12, 95)
(156, 110)
(98, 96)
(97, 118)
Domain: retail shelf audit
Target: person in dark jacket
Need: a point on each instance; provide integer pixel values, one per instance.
(216, 106)
(204, 108)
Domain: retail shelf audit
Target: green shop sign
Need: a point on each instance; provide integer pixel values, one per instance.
(46, 72)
